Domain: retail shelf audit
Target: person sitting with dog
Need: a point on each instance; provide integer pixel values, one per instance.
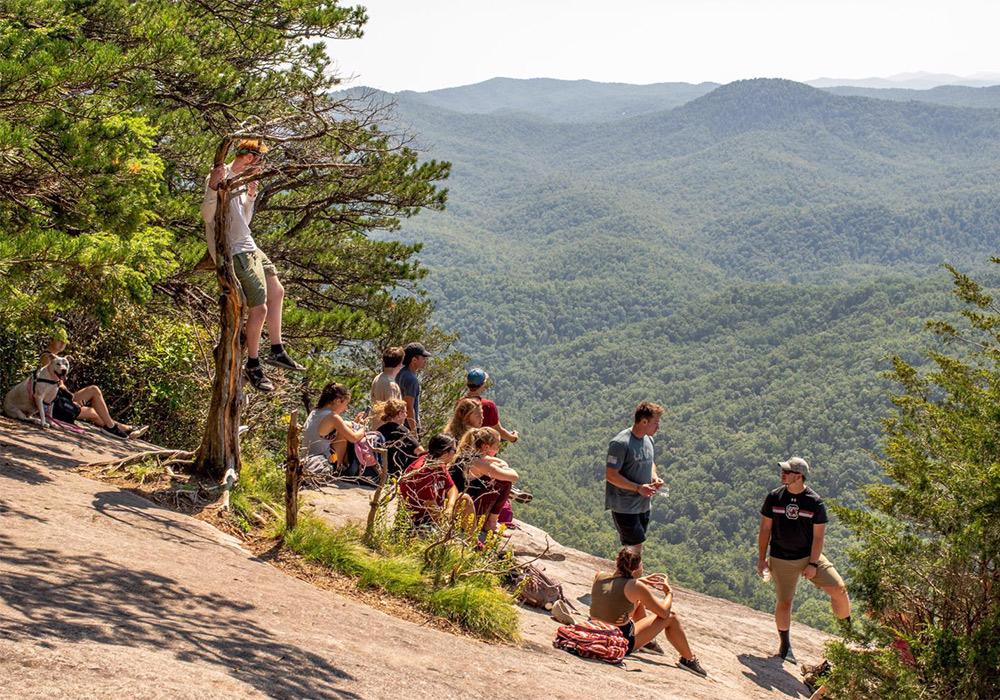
(401, 447)
(87, 403)
(257, 274)
(426, 487)
(326, 435)
(615, 596)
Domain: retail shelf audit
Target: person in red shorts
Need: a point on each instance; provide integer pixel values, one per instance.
(426, 486)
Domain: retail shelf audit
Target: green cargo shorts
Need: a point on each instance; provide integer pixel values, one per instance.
(251, 269)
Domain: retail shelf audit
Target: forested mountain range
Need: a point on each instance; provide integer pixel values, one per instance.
(749, 259)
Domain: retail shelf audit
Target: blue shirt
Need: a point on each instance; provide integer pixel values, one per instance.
(409, 385)
(631, 457)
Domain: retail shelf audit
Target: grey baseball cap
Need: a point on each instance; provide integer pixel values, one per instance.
(796, 465)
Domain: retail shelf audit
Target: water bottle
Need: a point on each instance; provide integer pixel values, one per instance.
(765, 575)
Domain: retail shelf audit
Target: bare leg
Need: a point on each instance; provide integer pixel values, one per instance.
(255, 322)
(275, 302)
(783, 615)
(97, 412)
(839, 601)
(647, 629)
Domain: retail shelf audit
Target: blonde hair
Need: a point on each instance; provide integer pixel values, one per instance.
(246, 146)
(389, 409)
(460, 424)
(476, 439)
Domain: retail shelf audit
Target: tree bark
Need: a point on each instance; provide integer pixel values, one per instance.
(220, 445)
(293, 473)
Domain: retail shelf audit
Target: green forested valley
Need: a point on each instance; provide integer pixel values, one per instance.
(749, 259)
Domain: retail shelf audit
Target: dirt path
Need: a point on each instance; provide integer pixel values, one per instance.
(106, 595)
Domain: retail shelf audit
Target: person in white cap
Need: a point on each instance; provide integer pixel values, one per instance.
(793, 526)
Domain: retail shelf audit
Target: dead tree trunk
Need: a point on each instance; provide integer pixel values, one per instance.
(220, 446)
(293, 474)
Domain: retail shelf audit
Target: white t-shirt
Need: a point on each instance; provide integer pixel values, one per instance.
(240, 213)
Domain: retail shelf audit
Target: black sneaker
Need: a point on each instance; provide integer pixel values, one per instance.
(138, 431)
(693, 666)
(652, 647)
(519, 496)
(115, 431)
(257, 378)
(283, 361)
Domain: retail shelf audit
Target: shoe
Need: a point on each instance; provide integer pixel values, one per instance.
(561, 613)
(519, 496)
(652, 647)
(138, 432)
(693, 665)
(283, 361)
(115, 431)
(258, 380)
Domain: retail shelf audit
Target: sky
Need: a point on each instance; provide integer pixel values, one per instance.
(430, 44)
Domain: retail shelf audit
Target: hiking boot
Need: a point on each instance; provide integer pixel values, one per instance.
(519, 496)
(115, 431)
(283, 361)
(652, 647)
(693, 665)
(258, 380)
(137, 432)
(561, 612)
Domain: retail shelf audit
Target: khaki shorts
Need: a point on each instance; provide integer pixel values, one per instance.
(785, 574)
(251, 269)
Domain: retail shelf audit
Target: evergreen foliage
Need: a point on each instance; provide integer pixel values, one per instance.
(928, 543)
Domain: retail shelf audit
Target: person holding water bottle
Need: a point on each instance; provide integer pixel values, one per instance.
(793, 526)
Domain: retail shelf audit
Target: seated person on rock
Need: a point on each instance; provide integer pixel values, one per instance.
(326, 435)
(615, 597)
(489, 478)
(401, 447)
(426, 486)
(87, 403)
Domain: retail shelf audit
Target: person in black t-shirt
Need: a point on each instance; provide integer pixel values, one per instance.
(793, 522)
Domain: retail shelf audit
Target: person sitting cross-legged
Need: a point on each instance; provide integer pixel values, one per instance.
(426, 487)
(615, 597)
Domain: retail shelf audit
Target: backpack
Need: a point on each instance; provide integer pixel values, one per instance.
(363, 452)
(537, 589)
(592, 639)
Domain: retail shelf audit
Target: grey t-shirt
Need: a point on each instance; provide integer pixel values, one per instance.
(632, 457)
(409, 385)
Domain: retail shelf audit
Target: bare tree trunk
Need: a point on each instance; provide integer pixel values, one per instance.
(220, 445)
(293, 473)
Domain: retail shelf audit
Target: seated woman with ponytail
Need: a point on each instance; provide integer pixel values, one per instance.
(489, 477)
(426, 486)
(401, 447)
(327, 435)
(617, 598)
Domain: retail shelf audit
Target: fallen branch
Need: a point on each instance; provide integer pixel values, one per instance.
(170, 455)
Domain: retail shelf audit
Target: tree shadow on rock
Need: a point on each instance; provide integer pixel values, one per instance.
(64, 598)
(769, 673)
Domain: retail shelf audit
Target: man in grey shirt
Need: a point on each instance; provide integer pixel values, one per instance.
(630, 474)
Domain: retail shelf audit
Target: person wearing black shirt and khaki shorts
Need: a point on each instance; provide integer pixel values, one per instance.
(793, 526)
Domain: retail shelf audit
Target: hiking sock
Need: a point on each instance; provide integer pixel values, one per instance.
(786, 644)
(253, 362)
(277, 349)
(845, 626)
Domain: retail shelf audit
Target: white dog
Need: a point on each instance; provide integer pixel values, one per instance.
(37, 391)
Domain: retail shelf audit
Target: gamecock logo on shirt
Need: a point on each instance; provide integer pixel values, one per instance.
(792, 511)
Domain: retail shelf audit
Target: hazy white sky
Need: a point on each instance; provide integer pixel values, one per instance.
(428, 44)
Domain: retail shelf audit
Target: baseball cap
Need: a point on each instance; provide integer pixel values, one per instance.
(796, 465)
(412, 350)
(477, 376)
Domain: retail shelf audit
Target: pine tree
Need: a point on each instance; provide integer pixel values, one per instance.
(926, 567)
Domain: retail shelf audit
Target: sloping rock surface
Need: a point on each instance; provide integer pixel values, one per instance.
(104, 594)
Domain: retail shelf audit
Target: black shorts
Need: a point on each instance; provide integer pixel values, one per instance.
(628, 631)
(63, 407)
(631, 527)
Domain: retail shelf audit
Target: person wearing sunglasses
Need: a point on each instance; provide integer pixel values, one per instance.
(257, 274)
